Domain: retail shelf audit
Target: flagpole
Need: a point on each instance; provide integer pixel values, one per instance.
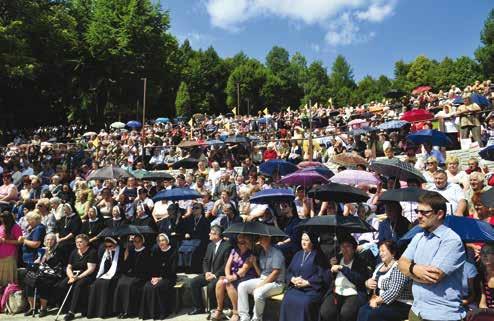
(310, 131)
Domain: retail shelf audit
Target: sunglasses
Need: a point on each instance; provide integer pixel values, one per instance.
(424, 213)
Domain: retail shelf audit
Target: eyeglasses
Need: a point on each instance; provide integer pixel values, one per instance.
(423, 213)
(430, 163)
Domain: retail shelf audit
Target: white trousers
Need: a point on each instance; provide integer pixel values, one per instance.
(260, 294)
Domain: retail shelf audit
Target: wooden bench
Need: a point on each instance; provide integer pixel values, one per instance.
(277, 298)
(179, 286)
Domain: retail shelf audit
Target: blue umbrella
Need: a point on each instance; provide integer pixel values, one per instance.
(436, 138)
(393, 125)
(475, 98)
(362, 131)
(134, 124)
(470, 230)
(162, 120)
(215, 142)
(487, 153)
(262, 120)
(176, 194)
(272, 195)
(279, 166)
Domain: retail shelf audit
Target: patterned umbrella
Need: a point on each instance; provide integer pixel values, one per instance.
(396, 168)
(307, 178)
(393, 125)
(349, 159)
(355, 177)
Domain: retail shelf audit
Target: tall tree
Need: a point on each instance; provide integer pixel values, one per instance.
(422, 71)
(341, 82)
(182, 102)
(485, 54)
(317, 84)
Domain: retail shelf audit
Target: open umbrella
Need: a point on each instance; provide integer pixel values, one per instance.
(355, 177)
(277, 166)
(237, 139)
(415, 115)
(307, 178)
(323, 170)
(487, 153)
(124, 230)
(213, 142)
(89, 134)
(337, 223)
(189, 144)
(117, 125)
(362, 131)
(421, 89)
(109, 172)
(134, 124)
(396, 168)
(393, 125)
(187, 163)
(468, 229)
(272, 195)
(487, 198)
(349, 159)
(163, 120)
(358, 123)
(305, 164)
(255, 228)
(335, 192)
(436, 138)
(475, 98)
(176, 194)
(409, 194)
(153, 175)
(395, 93)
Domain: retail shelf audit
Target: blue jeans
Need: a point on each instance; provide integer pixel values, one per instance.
(396, 311)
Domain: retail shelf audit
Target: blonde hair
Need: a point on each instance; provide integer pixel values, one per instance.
(478, 175)
(432, 159)
(44, 202)
(452, 159)
(33, 215)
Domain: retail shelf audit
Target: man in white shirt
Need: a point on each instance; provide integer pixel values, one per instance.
(452, 192)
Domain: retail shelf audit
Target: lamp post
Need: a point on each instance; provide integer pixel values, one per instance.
(144, 101)
(238, 98)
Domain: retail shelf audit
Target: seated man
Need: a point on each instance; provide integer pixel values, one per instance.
(272, 270)
(213, 266)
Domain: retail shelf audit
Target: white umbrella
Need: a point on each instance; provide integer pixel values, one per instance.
(117, 125)
(88, 134)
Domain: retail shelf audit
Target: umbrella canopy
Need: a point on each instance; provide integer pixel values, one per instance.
(109, 172)
(134, 124)
(417, 115)
(409, 194)
(89, 134)
(187, 163)
(475, 98)
(176, 194)
(323, 170)
(355, 177)
(153, 175)
(340, 223)
(468, 229)
(255, 228)
(163, 120)
(396, 168)
(189, 144)
(272, 195)
(237, 139)
(395, 93)
(335, 192)
(362, 131)
(307, 178)
(117, 125)
(487, 153)
(214, 142)
(487, 198)
(393, 125)
(436, 138)
(124, 230)
(421, 89)
(349, 159)
(358, 123)
(305, 164)
(277, 166)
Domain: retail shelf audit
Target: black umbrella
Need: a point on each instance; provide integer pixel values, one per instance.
(153, 175)
(123, 230)
(396, 168)
(255, 228)
(110, 172)
(487, 198)
(337, 223)
(187, 163)
(409, 194)
(395, 93)
(237, 139)
(335, 192)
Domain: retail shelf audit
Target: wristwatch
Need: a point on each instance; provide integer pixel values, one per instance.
(410, 268)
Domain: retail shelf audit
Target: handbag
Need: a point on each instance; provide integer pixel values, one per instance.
(31, 276)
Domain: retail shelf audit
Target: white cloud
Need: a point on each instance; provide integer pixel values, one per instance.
(339, 18)
(315, 47)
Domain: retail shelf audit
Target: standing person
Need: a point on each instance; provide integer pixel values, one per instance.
(469, 119)
(308, 278)
(157, 295)
(271, 282)
(32, 242)
(10, 233)
(434, 260)
(213, 267)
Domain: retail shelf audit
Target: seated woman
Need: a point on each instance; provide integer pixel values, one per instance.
(68, 227)
(92, 227)
(135, 272)
(349, 294)
(80, 273)
(308, 278)
(117, 219)
(238, 268)
(289, 220)
(101, 291)
(158, 298)
(52, 264)
(392, 291)
(31, 243)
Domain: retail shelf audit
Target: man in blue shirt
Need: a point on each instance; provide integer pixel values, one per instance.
(434, 259)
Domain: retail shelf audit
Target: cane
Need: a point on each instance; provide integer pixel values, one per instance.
(76, 273)
(34, 302)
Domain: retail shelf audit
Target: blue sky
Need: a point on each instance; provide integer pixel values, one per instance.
(371, 34)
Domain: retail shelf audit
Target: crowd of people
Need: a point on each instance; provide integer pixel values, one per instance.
(59, 224)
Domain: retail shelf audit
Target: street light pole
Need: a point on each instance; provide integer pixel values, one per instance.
(144, 101)
(310, 147)
(238, 98)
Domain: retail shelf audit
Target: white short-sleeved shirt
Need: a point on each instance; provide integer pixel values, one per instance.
(453, 193)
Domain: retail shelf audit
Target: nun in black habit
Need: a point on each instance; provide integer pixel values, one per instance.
(101, 291)
(117, 219)
(158, 297)
(135, 272)
(92, 227)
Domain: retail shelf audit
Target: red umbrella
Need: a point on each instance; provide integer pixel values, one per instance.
(417, 115)
(421, 89)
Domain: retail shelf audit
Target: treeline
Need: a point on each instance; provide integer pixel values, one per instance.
(85, 60)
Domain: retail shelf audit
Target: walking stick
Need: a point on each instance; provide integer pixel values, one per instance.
(34, 302)
(76, 273)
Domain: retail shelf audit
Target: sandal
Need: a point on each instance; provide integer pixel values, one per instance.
(217, 315)
(235, 316)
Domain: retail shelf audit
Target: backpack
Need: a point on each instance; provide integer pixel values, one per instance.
(13, 300)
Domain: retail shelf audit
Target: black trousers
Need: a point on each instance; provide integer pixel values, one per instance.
(196, 285)
(77, 301)
(340, 308)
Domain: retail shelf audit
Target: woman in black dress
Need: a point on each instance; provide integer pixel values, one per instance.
(92, 227)
(157, 295)
(135, 272)
(101, 291)
(117, 219)
(68, 227)
(83, 259)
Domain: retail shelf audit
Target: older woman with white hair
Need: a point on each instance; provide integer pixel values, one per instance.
(477, 186)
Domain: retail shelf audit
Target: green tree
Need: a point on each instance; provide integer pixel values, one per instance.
(400, 76)
(422, 71)
(317, 84)
(341, 82)
(485, 54)
(182, 102)
(250, 77)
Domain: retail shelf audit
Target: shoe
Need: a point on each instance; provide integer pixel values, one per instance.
(29, 313)
(123, 316)
(43, 313)
(196, 311)
(69, 316)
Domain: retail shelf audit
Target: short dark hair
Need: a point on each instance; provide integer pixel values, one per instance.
(392, 247)
(434, 200)
(217, 229)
